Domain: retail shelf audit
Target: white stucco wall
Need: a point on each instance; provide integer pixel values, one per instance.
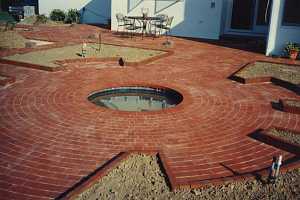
(192, 18)
(279, 34)
(97, 11)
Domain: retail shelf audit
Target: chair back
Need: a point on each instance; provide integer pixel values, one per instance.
(169, 21)
(163, 17)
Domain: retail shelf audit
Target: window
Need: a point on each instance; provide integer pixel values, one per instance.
(291, 15)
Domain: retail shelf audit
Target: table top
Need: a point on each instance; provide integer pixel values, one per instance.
(143, 18)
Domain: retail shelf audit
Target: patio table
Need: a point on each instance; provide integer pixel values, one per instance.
(145, 21)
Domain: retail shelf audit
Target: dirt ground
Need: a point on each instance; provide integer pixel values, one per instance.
(11, 39)
(280, 71)
(140, 177)
(47, 57)
(32, 20)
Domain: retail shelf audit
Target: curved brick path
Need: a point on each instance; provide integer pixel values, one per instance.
(51, 136)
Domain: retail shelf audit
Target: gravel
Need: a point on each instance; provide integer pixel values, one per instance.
(284, 72)
(286, 135)
(140, 177)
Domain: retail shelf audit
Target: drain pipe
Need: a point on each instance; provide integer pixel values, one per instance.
(275, 168)
(278, 164)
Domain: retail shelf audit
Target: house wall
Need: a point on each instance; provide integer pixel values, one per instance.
(95, 12)
(192, 18)
(280, 34)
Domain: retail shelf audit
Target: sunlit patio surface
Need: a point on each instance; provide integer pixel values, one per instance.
(51, 136)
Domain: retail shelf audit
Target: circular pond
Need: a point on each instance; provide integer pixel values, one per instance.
(138, 99)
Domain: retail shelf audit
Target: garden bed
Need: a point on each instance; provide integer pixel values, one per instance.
(140, 177)
(56, 57)
(265, 71)
(286, 135)
(290, 105)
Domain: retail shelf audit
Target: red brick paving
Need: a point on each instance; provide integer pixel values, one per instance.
(52, 136)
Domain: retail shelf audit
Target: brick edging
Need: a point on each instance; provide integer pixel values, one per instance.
(88, 181)
(32, 66)
(265, 79)
(239, 79)
(276, 141)
(289, 108)
(263, 137)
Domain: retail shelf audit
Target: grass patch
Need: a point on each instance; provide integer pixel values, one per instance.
(48, 57)
(284, 72)
(11, 39)
(286, 135)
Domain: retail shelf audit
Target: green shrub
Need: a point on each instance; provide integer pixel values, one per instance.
(57, 15)
(72, 16)
(291, 46)
(41, 19)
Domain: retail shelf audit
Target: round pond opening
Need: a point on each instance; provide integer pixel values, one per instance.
(138, 99)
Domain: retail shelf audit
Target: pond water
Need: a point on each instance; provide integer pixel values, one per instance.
(138, 99)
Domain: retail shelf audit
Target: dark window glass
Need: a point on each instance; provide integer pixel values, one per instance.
(291, 13)
(242, 14)
(264, 7)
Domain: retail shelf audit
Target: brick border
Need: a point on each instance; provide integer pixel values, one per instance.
(32, 66)
(289, 108)
(187, 99)
(88, 181)
(265, 79)
(278, 142)
(260, 135)
(7, 80)
(118, 60)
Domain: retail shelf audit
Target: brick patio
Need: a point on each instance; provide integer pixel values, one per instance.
(51, 136)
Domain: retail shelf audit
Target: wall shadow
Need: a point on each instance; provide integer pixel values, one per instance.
(96, 12)
(159, 7)
(193, 20)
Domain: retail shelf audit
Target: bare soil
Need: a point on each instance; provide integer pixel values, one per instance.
(286, 135)
(48, 57)
(140, 177)
(284, 72)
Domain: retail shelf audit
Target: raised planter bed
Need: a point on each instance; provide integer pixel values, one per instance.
(59, 64)
(140, 176)
(285, 75)
(290, 105)
(285, 139)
